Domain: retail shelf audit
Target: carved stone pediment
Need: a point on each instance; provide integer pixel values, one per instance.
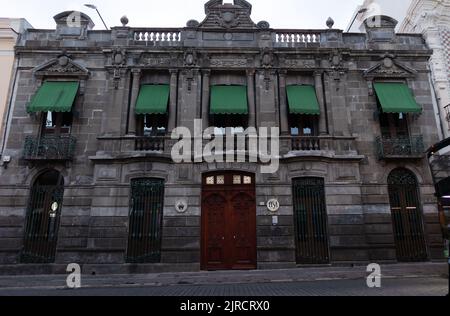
(63, 66)
(388, 67)
(228, 16)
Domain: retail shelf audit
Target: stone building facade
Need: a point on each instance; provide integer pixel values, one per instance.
(92, 180)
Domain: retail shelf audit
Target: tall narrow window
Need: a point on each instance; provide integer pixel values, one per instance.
(310, 215)
(145, 221)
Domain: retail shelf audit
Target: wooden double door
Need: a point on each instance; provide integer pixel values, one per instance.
(228, 222)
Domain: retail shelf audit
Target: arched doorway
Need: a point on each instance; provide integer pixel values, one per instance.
(228, 221)
(407, 217)
(42, 218)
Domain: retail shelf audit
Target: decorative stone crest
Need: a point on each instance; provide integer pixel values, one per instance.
(228, 19)
(267, 58)
(118, 60)
(228, 15)
(190, 58)
(263, 25)
(335, 60)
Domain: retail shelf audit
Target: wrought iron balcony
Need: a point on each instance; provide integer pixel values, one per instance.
(49, 148)
(400, 148)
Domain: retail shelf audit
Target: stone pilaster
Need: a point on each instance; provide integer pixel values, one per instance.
(172, 124)
(251, 98)
(205, 97)
(134, 95)
(323, 130)
(284, 112)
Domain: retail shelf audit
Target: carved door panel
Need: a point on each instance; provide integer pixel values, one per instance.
(243, 231)
(228, 222)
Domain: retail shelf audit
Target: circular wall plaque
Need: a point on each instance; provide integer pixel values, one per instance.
(54, 206)
(228, 36)
(181, 206)
(273, 205)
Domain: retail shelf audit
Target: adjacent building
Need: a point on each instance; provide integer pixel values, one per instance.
(10, 30)
(92, 179)
(432, 19)
(396, 9)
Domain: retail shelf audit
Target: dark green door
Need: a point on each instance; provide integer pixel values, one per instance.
(407, 218)
(42, 219)
(310, 217)
(145, 221)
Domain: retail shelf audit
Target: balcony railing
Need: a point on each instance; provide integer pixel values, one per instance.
(294, 37)
(157, 35)
(154, 143)
(305, 143)
(404, 147)
(122, 147)
(49, 148)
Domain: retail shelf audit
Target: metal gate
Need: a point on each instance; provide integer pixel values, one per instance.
(310, 217)
(146, 215)
(407, 216)
(42, 224)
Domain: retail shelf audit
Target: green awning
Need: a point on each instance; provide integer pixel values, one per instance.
(153, 99)
(396, 98)
(54, 96)
(303, 100)
(229, 100)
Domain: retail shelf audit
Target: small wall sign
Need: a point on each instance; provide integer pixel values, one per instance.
(273, 205)
(181, 206)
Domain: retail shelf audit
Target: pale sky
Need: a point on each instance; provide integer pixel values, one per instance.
(302, 14)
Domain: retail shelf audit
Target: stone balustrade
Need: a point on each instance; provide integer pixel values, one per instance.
(132, 146)
(157, 35)
(297, 37)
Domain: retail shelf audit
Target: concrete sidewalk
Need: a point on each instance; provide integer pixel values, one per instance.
(415, 270)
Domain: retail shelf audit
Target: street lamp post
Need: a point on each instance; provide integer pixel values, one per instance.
(91, 6)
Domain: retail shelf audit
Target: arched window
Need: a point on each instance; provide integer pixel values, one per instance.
(407, 218)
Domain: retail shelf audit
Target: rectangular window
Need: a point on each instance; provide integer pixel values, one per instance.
(304, 125)
(237, 123)
(56, 123)
(151, 125)
(394, 125)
